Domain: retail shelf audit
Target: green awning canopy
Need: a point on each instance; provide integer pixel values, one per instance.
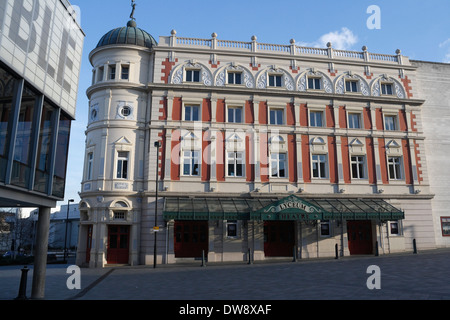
(290, 208)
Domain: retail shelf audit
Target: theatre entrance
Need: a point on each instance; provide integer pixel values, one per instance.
(279, 238)
(360, 237)
(118, 244)
(190, 239)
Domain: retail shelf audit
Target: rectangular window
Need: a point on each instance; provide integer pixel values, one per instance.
(386, 88)
(351, 86)
(6, 97)
(232, 229)
(395, 168)
(192, 75)
(319, 164)
(274, 80)
(23, 144)
(314, 83)
(122, 165)
(278, 165)
(390, 122)
(42, 172)
(393, 226)
(112, 72)
(316, 119)
(125, 72)
(235, 114)
(325, 228)
(235, 163)
(277, 116)
(357, 164)
(192, 113)
(234, 78)
(62, 150)
(100, 74)
(354, 120)
(90, 163)
(191, 163)
(445, 226)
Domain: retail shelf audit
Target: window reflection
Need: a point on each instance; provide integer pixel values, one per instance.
(22, 150)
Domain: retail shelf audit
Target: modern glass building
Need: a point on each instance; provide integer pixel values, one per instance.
(41, 44)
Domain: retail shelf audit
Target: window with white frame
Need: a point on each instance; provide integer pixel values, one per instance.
(192, 75)
(325, 228)
(358, 167)
(234, 77)
(278, 165)
(119, 215)
(100, 74)
(235, 114)
(314, 83)
(112, 72)
(235, 164)
(122, 165)
(394, 228)
(232, 229)
(386, 88)
(319, 166)
(90, 164)
(191, 163)
(351, 85)
(125, 72)
(395, 168)
(191, 113)
(316, 118)
(275, 80)
(445, 226)
(276, 116)
(390, 122)
(354, 120)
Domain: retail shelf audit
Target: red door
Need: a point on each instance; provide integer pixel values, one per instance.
(279, 238)
(360, 237)
(118, 244)
(190, 239)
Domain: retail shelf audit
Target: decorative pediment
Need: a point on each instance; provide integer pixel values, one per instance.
(122, 140)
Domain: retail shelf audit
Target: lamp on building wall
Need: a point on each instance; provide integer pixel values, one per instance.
(65, 235)
(157, 145)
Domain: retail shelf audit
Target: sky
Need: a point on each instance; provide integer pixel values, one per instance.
(421, 29)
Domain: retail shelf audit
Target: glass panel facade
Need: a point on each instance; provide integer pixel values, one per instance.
(62, 150)
(23, 144)
(7, 87)
(44, 152)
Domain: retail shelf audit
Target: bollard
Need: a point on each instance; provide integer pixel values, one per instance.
(336, 251)
(23, 284)
(249, 257)
(376, 248)
(203, 258)
(414, 246)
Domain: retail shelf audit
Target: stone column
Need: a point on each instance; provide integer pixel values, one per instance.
(40, 254)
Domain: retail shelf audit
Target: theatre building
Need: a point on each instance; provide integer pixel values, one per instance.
(41, 45)
(247, 148)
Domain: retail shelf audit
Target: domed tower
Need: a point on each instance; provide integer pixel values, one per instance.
(114, 160)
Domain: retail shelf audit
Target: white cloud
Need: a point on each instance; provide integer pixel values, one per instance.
(444, 43)
(343, 39)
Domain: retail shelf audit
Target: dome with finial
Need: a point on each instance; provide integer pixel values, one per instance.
(130, 34)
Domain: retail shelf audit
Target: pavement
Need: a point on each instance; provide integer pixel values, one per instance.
(405, 276)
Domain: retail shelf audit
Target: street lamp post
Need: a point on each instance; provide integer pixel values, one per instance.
(65, 235)
(157, 145)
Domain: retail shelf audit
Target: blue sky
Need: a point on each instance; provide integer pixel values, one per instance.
(421, 29)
